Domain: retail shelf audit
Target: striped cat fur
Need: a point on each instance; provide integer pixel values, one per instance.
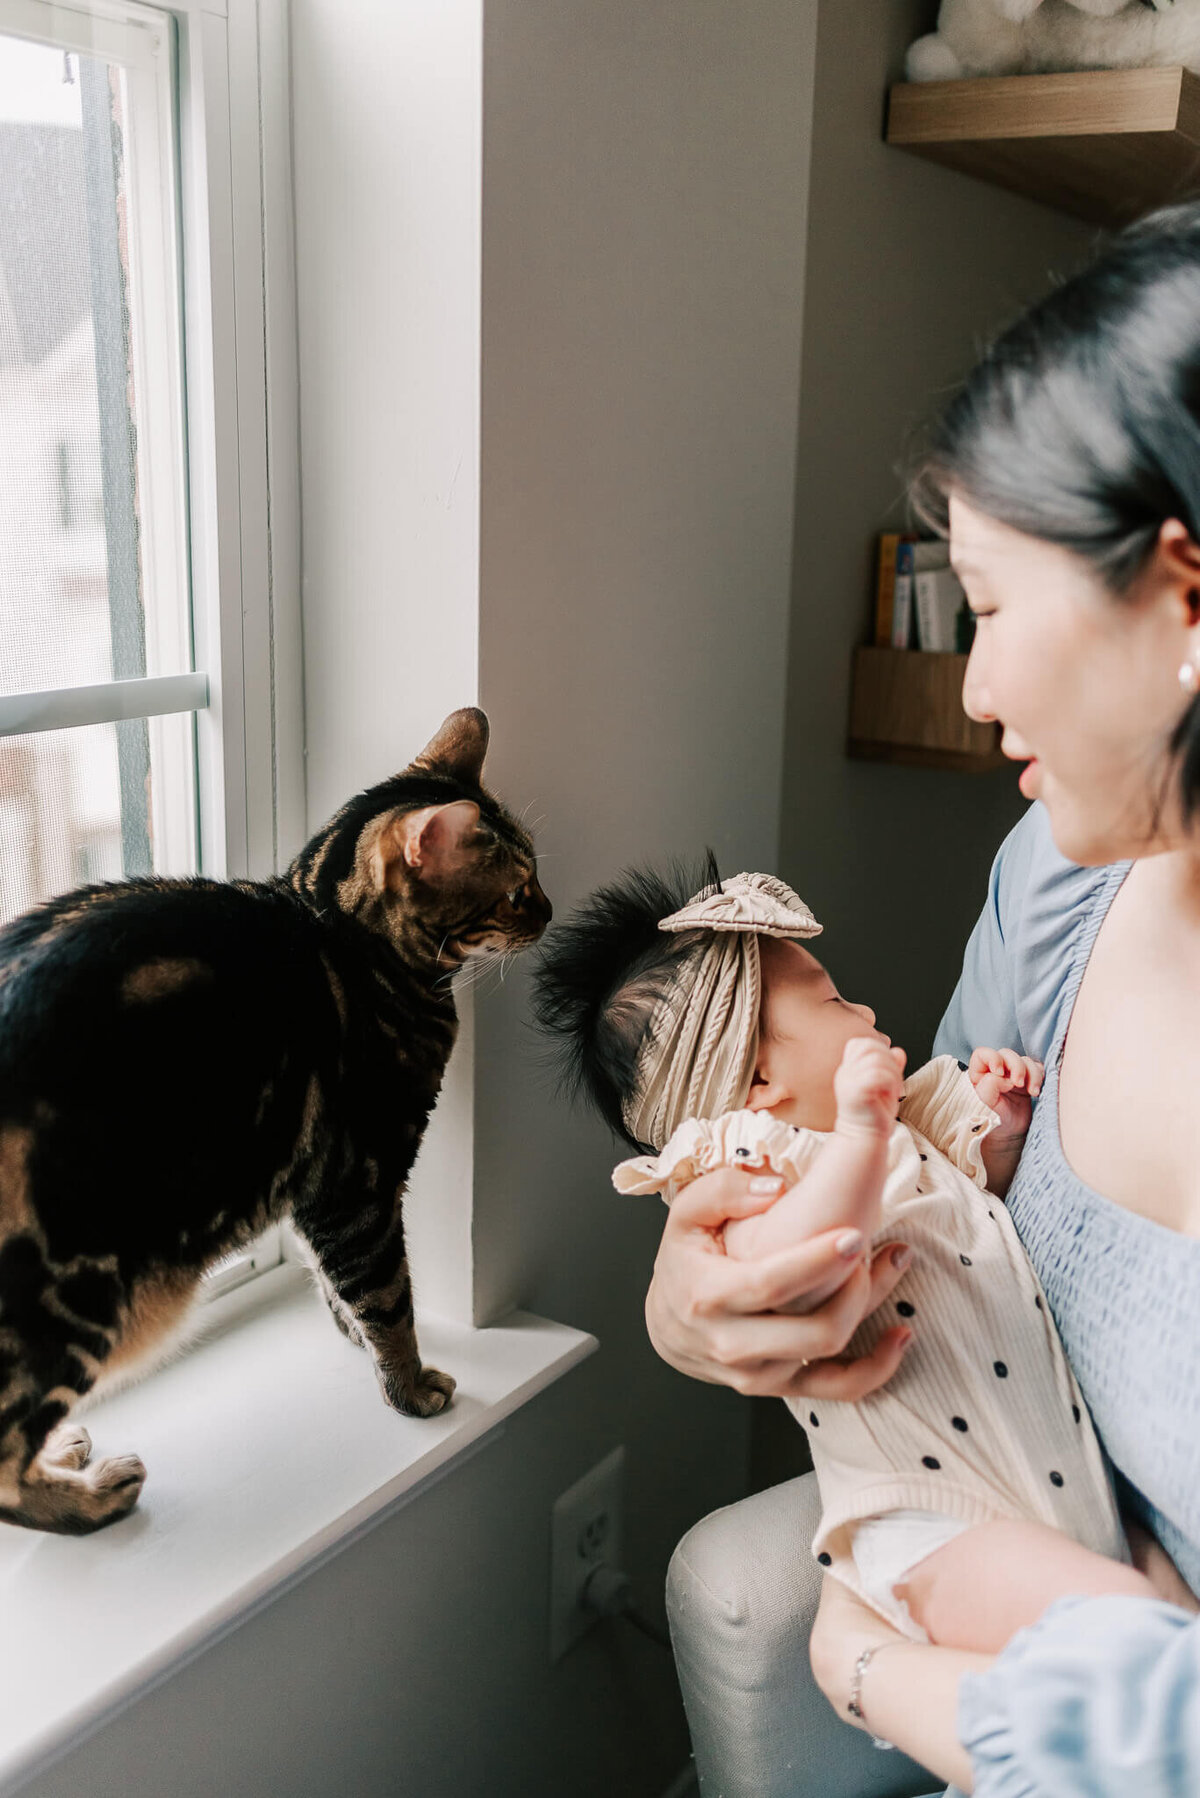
(183, 1062)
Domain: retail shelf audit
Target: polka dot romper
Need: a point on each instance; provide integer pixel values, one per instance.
(983, 1420)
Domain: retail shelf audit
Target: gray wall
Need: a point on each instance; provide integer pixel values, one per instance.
(910, 268)
(645, 171)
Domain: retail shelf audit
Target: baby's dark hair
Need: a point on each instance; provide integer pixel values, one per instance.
(601, 976)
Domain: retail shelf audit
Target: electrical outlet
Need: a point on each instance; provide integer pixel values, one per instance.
(585, 1529)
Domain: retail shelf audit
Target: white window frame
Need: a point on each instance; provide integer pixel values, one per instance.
(242, 447)
(243, 451)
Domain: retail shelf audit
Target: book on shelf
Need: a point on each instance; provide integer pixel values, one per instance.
(885, 585)
(902, 562)
(902, 595)
(937, 600)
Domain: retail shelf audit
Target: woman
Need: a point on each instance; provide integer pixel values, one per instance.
(1068, 473)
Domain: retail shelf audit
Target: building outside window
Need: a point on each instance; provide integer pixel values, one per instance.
(142, 686)
(93, 574)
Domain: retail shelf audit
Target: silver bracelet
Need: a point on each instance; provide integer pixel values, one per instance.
(856, 1679)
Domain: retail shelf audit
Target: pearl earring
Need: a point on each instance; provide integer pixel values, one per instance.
(1189, 676)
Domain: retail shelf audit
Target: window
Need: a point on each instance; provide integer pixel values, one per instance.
(149, 681)
(97, 687)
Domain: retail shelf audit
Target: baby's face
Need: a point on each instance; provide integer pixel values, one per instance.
(804, 1026)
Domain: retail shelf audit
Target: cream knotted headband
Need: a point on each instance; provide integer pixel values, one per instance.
(698, 1056)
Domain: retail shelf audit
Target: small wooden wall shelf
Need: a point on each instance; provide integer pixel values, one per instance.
(1106, 145)
(906, 706)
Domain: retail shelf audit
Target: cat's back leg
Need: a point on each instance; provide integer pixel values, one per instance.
(59, 1326)
(48, 1360)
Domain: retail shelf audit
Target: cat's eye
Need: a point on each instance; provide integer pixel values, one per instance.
(517, 898)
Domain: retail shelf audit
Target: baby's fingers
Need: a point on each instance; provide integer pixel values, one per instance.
(998, 1065)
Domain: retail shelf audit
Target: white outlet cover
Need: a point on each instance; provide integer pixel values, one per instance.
(585, 1529)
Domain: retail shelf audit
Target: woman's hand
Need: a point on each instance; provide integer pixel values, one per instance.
(717, 1319)
(908, 1692)
(844, 1627)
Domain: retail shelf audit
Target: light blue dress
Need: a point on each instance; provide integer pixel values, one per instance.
(1101, 1698)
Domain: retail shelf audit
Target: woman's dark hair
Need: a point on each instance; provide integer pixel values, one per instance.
(1081, 424)
(601, 976)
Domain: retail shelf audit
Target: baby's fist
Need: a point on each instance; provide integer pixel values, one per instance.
(1008, 1082)
(868, 1087)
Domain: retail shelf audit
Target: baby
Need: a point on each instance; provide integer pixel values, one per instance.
(965, 1495)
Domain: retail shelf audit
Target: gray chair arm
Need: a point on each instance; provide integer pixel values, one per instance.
(742, 1591)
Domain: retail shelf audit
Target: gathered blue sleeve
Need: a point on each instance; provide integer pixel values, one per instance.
(1018, 960)
(1100, 1699)
(982, 1010)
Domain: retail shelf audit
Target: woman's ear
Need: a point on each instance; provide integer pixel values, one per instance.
(1176, 560)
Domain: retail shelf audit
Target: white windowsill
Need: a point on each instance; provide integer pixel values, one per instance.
(267, 1446)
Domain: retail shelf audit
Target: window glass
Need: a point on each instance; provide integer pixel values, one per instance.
(93, 570)
(97, 803)
(73, 244)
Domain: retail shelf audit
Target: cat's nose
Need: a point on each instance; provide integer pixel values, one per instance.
(533, 904)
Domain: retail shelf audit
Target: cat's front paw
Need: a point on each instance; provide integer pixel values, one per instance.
(422, 1395)
(117, 1482)
(67, 1446)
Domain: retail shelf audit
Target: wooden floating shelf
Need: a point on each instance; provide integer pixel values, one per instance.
(906, 707)
(1106, 145)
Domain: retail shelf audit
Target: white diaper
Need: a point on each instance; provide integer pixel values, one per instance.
(886, 1548)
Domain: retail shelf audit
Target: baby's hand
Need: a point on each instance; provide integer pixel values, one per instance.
(1008, 1082)
(868, 1087)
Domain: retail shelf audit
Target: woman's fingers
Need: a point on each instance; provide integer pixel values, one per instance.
(825, 1376)
(888, 1266)
(714, 1199)
(750, 1287)
(849, 1381)
(759, 1351)
(723, 1320)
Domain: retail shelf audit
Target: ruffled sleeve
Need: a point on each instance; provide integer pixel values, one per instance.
(941, 1103)
(1099, 1699)
(749, 1139)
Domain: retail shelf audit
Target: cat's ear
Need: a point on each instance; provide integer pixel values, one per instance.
(459, 746)
(433, 843)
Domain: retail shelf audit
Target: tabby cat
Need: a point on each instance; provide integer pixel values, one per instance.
(182, 1062)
